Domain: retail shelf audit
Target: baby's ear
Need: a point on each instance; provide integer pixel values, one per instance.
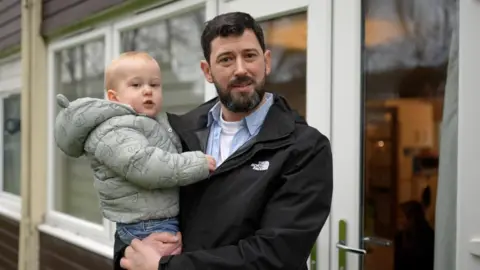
(62, 101)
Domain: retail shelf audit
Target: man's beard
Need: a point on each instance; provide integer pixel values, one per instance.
(241, 102)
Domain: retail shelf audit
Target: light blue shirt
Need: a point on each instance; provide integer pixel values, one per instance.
(250, 127)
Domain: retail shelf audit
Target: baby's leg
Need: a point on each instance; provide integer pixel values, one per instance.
(169, 225)
(128, 232)
(141, 230)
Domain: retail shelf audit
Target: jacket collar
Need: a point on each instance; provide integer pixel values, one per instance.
(196, 121)
(252, 122)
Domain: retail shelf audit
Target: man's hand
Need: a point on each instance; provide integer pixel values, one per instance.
(140, 256)
(165, 243)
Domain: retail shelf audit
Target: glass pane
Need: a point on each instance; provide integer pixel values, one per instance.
(286, 37)
(175, 44)
(409, 72)
(79, 72)
(11, 144)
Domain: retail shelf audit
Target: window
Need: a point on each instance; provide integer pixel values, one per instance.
(286, 37)
(10, 156)
(78, 73)
(11, 144)
(77, 67)
(76, 70)
(175, 44)
(410, 89)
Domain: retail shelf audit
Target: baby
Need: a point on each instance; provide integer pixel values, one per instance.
(134, 152)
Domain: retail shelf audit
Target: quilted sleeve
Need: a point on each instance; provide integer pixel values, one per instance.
(125, 151)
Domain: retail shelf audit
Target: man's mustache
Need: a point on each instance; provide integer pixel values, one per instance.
(241, 80)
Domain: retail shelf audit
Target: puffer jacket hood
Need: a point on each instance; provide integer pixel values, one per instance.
(77, 119)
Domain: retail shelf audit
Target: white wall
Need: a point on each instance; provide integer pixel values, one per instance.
(468, 199)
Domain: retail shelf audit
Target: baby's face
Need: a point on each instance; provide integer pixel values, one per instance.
(138, 84)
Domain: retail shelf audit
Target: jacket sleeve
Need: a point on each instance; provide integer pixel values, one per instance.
(126, 151)
(291, 222)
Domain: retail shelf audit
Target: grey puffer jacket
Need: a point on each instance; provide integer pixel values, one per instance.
(135, 160)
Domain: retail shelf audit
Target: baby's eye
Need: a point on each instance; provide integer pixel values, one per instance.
(135, 85)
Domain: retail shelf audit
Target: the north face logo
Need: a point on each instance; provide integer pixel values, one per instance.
(261, 166)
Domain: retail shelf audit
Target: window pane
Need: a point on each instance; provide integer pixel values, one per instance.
(410, 76)
(286, 37)
(79, 72)
(175, 44)
(11, 144)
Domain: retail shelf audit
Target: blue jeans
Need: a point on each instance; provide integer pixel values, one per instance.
(142, 229)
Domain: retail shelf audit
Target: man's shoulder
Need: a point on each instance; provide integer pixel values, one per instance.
(304, 135)
(303, 132)
(308, 135)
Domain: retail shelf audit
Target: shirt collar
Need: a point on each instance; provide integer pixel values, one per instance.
(253, 121)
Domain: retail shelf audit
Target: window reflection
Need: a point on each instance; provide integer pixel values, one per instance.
(79, 72)
(407, 54)
(286, 37)
(175, 44)
(11, 144)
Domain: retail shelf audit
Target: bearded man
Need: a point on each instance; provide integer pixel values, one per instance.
(267, 201)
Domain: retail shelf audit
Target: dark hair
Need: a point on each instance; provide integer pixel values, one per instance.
(414, 213)
(229, 24)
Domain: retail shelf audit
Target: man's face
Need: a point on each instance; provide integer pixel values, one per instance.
(238, 68)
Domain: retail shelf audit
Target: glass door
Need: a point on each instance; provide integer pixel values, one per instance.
(394, 98)
(301, 76)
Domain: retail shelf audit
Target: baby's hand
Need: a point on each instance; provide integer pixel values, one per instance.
(212, 164)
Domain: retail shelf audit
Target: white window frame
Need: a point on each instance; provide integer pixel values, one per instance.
(61, 225)
(99, 238)
(10, 204)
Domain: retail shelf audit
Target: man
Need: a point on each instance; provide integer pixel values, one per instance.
(270, 195)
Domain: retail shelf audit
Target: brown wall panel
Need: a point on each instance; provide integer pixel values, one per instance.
(10, 23)
(56, 254)
(9, 231)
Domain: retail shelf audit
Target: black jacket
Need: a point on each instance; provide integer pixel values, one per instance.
(249, 215)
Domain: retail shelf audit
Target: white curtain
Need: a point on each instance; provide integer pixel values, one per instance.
(446, 214)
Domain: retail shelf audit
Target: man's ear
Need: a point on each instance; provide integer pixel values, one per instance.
(268, 61)
(207, 72)
(112, 95)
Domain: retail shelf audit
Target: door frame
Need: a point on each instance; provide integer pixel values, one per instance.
(346, 132)
(346, 128)
(318, 92)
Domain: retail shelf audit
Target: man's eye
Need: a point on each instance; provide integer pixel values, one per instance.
(225, 59)
(251, 55)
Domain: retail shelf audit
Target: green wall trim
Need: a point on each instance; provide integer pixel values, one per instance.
(10, 51)
(105, 15)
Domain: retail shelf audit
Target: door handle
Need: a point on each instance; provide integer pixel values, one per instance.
(377, 241)
(341, 245)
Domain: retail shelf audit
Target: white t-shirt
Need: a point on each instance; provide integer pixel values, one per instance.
(229, 129)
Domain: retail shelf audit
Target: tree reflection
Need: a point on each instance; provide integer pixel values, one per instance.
(175, 44)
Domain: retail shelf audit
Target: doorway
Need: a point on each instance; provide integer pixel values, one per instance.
(393, 80)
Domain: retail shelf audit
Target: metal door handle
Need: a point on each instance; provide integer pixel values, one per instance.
(341, 245)
(377, 241)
